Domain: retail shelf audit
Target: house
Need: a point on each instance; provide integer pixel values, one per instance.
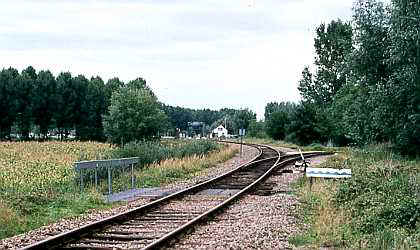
(220, 131)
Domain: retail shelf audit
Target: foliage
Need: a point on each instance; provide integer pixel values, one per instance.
(366, 85)
(153, 152)
(278, 118)
(332, 45)
(8, 101)
(44, 101)
(171, 169)
(378, 207)
(305, 127)
(256, 129)
(134, 114)
(276, 125)
(381, 191)
(234, 119)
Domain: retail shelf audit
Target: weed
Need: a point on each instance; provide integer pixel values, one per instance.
(378, 208)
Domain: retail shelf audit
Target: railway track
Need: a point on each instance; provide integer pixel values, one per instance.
(155, 224)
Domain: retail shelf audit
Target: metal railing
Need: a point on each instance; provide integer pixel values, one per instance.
(103, 169)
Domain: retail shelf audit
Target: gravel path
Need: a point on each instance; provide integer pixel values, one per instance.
(64, 225)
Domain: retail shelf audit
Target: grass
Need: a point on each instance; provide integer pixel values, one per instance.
(37, 180)
(174, 169)
(378, 208)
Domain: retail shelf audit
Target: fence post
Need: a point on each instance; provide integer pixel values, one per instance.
(81, 180)
(132, 176)
(96, 176)
(122, 166)
(109, 179)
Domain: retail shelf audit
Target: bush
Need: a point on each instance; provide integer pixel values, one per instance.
(382, 193)
(154, 152)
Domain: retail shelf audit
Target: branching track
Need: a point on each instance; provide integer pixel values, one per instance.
(156, 223)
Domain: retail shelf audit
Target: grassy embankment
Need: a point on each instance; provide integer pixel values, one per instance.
(378, 208)
(37, 180)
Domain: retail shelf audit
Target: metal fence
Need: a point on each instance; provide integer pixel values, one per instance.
(98, 171)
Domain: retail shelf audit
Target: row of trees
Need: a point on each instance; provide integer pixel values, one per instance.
(41, 103)
(233, 119)
(365, 87)
(95, 110)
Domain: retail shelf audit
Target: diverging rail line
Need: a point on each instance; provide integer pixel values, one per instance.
(156, 223)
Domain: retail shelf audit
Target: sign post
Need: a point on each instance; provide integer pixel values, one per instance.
(241, 134)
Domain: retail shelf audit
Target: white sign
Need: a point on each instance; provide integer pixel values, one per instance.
(241, 131)
(328, 173)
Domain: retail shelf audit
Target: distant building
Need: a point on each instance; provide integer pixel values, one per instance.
(220, 131)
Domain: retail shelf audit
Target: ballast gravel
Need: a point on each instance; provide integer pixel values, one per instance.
(253, 222)
(68, 224)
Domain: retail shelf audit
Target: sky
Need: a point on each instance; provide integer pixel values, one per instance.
(196, 54)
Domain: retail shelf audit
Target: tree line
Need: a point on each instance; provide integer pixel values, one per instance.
(41, 104)
(232, 119)
(64, 103)
(365, 84)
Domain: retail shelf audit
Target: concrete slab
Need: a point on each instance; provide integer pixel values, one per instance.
(215, 191)
(132, 194)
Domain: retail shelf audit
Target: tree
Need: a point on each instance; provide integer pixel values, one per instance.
(134, 114)
(304, 126)
(112, 85)
(64, 113)
(370, 72)
(405, 80)
(243, 117)
(24, 95)
(276, 125)
(93, 108)
(256, 129)
(277, 118)
(44, 100)
(78, 100)
(332, 45)
(8, 100)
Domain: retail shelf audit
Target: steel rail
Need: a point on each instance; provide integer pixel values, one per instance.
(213, 210)
(62, 238)
(79, 233)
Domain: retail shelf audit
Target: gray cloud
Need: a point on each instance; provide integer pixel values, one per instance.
(202, 53)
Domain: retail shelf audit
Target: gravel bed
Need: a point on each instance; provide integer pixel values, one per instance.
(64, 225)
(253, 222)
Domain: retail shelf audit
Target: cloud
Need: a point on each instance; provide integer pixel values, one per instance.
(200, 54)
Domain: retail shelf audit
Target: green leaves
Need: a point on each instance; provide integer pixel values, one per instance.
(134, 114)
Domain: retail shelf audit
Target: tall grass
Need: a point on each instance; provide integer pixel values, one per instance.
(379, 207)
(173, 169)
(154, 152)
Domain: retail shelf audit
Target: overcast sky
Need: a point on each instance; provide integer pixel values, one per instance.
(196, 54)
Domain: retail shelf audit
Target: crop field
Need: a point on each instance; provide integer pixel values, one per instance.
(33, 166)
(36, 177)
